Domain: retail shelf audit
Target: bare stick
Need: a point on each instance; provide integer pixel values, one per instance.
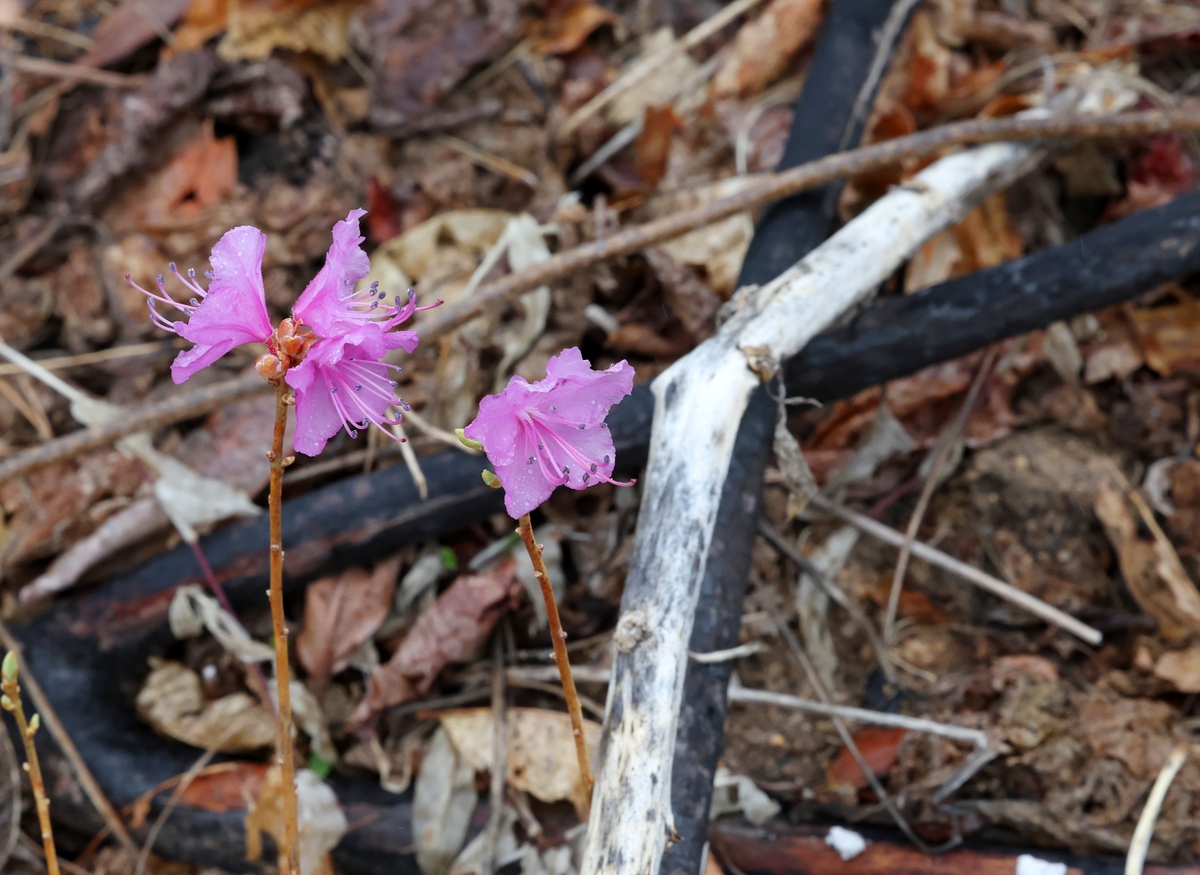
(59, 733)
(772, 186)
(560, 655)
(11, 701)
(861, 715)
(941, 454)
(285, 756)
(969, 573)
(77, 72)
(1144, 830)
(499, 756)
(178, 407)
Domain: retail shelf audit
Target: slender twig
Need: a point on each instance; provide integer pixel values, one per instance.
(769, 187)
(1144, 830)
(285, 756)
(727, 655)
(851, 745)
(59, 363)
(177, 407)
(941, 455)
(11, 701)
(560, 656)
(77, 72)
(91, 788)
(861, 715)
(835, 592)
(961, 569)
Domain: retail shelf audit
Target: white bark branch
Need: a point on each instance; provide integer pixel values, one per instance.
(700, 401)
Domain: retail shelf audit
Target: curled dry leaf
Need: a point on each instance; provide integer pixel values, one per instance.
(193, 610)
(765, 47)
(172, 701)
(652, 148)
(1155, 583)
(717, 249)
(200, 175)
(1181, 668)
(541, 749)
(567, 25)
(255, 30)
(320, 820)
(340, 613)
(452, 630)
(1169, 336)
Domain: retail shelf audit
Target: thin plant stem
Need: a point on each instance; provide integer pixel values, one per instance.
(12, 702)
(559, 637)
(289, 863)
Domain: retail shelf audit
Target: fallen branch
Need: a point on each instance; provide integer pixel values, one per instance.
(969, 573)
(700, 401)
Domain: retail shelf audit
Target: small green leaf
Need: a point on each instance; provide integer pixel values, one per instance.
(321, 766)
(449, 559)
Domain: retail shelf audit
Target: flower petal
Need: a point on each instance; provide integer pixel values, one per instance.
(497, 426)
(526, 485)
(577, 394)
(317, 419)
(322, 304)
(189, 361)
(234, 311)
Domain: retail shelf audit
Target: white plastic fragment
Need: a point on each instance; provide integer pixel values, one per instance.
(1027, 864)
(850, 844)
(749, 799)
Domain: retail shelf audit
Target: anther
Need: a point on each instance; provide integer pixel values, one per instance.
(171, 267)
(191, 273)
(583, 425)
(586, 476)
(606, 460)
(208, 274)
(593, 467)
(358, 387)
(159, 278)
(333, 390)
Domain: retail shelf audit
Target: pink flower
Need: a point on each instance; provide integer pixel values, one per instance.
(330, 354)
(551, 433)
(232, 312)
(342, 384)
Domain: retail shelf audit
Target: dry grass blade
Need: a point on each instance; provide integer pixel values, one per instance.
(1144, 830)
(969, 573)
(941, 455)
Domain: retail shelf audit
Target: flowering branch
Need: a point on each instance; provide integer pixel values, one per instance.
(11, 701)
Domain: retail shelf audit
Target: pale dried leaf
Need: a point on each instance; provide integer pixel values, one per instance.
(443, 801)
(541, 749)
(1181, 668)
(172, 701)
(320, 821)
(734, 794)
(765, 46)
(193, 610)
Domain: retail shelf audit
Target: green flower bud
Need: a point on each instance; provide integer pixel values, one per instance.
(468, 442)
(8, 669)
(491, 479)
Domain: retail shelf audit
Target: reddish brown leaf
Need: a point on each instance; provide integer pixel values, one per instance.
(879, 746)
(1170, 336)
(652, 148)
(566, 26)
(200, 175)
(225, 787)
(644, 340)
(1159, 170)
(452, 630)
(383, 217)
(340, 613)
(133, 24)
(766, 46)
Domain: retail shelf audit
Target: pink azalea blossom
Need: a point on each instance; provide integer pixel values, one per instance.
(551, 433)
(330, 355)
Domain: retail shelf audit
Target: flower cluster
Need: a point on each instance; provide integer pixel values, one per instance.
(539, 436)
(329, 352)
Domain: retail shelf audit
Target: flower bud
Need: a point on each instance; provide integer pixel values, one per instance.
(270, 368)
(491, 479)
(8, 669)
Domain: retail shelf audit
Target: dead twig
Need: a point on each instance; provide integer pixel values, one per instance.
(769, 187)
(177, 407)
(940, 456)
(76, 72)
(969, 573)
(82, 773)
(1144, 830)
(499, 756)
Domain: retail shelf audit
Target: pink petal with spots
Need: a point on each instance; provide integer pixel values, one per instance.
(324, 303)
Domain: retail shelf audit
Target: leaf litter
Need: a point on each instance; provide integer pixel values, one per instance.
(286, 115)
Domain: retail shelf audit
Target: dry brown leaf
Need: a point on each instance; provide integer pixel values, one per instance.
(1170, 336)
(133, 24)
(765, 46)
(255, 30)
(1141, 566)
(320, 821)
(451, 630)
(541, 749)
(652, 148)
(1181, 668)
(200, 175)
(342, 612)
(565, 26)
(1133, 731)
(717, 249)
(985, 237)
(172, 701)
(692, 302)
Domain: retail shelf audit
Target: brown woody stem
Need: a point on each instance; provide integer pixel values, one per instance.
(525, 529)
(289, 856)
(12, 702)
